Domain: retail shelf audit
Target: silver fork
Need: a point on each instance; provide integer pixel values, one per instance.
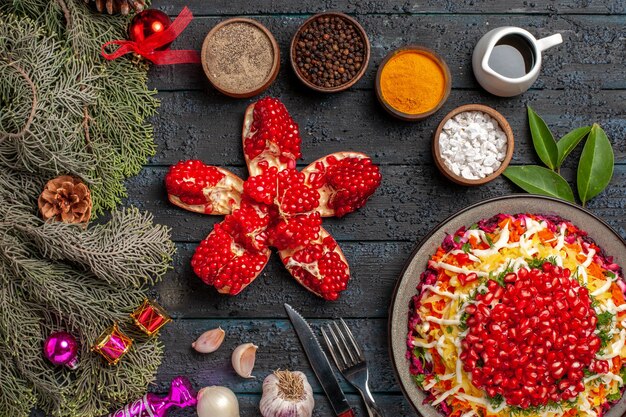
(349, 358)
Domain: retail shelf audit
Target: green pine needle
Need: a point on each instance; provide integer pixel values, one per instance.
(65, 110)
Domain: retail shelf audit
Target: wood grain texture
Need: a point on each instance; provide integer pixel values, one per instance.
(241, 7)
(195, 124)
(581, 82)
(375, 266)
(411, 201)
(278, 348)
(590, 58)
(394, 405)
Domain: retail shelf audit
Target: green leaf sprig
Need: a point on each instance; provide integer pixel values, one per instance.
(595, 167)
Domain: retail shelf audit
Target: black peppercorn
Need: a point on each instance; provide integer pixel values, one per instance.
(337, 48)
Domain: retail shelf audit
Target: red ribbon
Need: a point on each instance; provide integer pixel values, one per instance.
(147, 47)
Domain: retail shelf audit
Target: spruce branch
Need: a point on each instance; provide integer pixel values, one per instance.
(64, 110)
(128, 247)
(31, 115)
(90, 116)
(66, 13)
(14, 395)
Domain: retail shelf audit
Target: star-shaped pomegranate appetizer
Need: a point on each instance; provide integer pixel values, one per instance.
(277, 206)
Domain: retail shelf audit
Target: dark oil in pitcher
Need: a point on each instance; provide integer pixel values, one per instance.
(512, 57)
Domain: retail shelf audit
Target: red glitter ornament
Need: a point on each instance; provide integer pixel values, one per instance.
(151, 32)
(148, 23)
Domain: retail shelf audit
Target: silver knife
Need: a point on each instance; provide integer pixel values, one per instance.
(319, 363)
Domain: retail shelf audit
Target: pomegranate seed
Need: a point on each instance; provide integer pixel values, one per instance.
(510, 277)
(192, 183)
(492, 285)
(272, 128)
(530, 309)
(539, 355)
(471, 277)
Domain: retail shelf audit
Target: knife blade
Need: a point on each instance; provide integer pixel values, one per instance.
(319, 363)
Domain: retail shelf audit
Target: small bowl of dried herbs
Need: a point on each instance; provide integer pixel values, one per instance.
(330, 52)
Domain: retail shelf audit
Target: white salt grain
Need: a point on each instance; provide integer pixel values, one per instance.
(472, 145)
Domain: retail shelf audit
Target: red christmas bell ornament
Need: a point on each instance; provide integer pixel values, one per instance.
(148, 23)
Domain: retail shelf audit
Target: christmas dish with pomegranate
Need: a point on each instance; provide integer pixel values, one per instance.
(519, 315)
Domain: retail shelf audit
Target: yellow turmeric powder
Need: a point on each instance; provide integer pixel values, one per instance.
(412, 82)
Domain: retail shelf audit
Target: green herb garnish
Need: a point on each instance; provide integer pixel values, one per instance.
(466, 247)
(604, 326)
(595, 167)
(463, 320)
(605, 338)
(419, 379)
(496, 401)
(605, 318)
(418, 352)
(614, 396)
(533, 410)
(537, 263)
(500, 278)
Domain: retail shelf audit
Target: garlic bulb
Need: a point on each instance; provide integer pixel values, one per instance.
(209, 341)
(287, 394)
(217, 402)
(243, 359)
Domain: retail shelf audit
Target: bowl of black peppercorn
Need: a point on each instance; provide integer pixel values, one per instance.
(330, 52)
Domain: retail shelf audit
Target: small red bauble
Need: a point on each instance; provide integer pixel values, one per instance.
(147, 23)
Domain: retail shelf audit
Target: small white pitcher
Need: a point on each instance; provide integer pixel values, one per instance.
(496, 83)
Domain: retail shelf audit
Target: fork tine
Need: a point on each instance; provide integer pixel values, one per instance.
(338, 346)
(331, 349)
(355, 345)
(353, 361)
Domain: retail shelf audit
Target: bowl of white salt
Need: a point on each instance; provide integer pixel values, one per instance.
(473, 144)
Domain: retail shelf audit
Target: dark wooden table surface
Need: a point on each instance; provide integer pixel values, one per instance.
(581, 82)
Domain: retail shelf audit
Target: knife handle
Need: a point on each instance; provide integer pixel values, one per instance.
(348, 413)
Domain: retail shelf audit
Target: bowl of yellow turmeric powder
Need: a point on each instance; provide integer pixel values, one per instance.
(413, 82)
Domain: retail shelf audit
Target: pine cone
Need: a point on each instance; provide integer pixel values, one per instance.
(65, 199)
(118, 6)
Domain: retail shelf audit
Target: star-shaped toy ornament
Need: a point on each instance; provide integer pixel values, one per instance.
(277, 206)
